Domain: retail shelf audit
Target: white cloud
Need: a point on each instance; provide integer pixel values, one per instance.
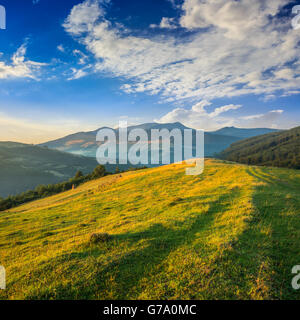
(166, 23)
(19, 66)
(82, 57)
(83, 17)
(271, 119)
(241, 50)
(174, 4)
(223, 109)
(198, 117)
(199, 107)
(260, 116)
(77, 74)
(236, 18)
(61, 48)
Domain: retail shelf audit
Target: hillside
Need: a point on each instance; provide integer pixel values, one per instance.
(279, 149)
(23, 167)
(84, 143)
(230, 233)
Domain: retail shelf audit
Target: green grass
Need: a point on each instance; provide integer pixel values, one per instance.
(230, 233)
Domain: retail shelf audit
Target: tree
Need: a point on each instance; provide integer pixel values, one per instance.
(99, 172)
(78, 174)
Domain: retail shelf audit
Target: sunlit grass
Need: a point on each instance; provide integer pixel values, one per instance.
(231, 233)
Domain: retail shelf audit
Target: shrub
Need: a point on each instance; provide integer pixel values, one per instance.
(99, 237)
(99, 172)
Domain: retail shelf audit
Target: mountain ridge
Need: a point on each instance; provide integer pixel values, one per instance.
(85, 142)
(244, 132)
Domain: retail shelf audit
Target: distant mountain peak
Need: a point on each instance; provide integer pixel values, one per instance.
(85, 143)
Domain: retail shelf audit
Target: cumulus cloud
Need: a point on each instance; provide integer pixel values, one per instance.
(200, 118)
(236, 48)
(19, 67)
(166, 23)
(199, 107)
(236, 18)
(223, 109)
(83, 17)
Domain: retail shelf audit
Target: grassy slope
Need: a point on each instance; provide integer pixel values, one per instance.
(231, 233)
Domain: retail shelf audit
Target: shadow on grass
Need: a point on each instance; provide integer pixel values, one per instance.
(120, 277)
(259, 266)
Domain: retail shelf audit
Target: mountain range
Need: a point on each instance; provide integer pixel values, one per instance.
(84, 143)
(23, 166)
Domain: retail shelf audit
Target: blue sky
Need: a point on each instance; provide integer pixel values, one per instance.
(68, 66)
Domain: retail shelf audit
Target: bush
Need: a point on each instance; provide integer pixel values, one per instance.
(99, 172)
(99, 237)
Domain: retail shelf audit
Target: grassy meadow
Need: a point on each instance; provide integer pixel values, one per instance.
(231, 233)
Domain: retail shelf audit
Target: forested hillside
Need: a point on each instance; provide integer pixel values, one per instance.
(279, 149)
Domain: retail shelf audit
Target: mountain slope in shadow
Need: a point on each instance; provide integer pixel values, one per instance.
(23, 167)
